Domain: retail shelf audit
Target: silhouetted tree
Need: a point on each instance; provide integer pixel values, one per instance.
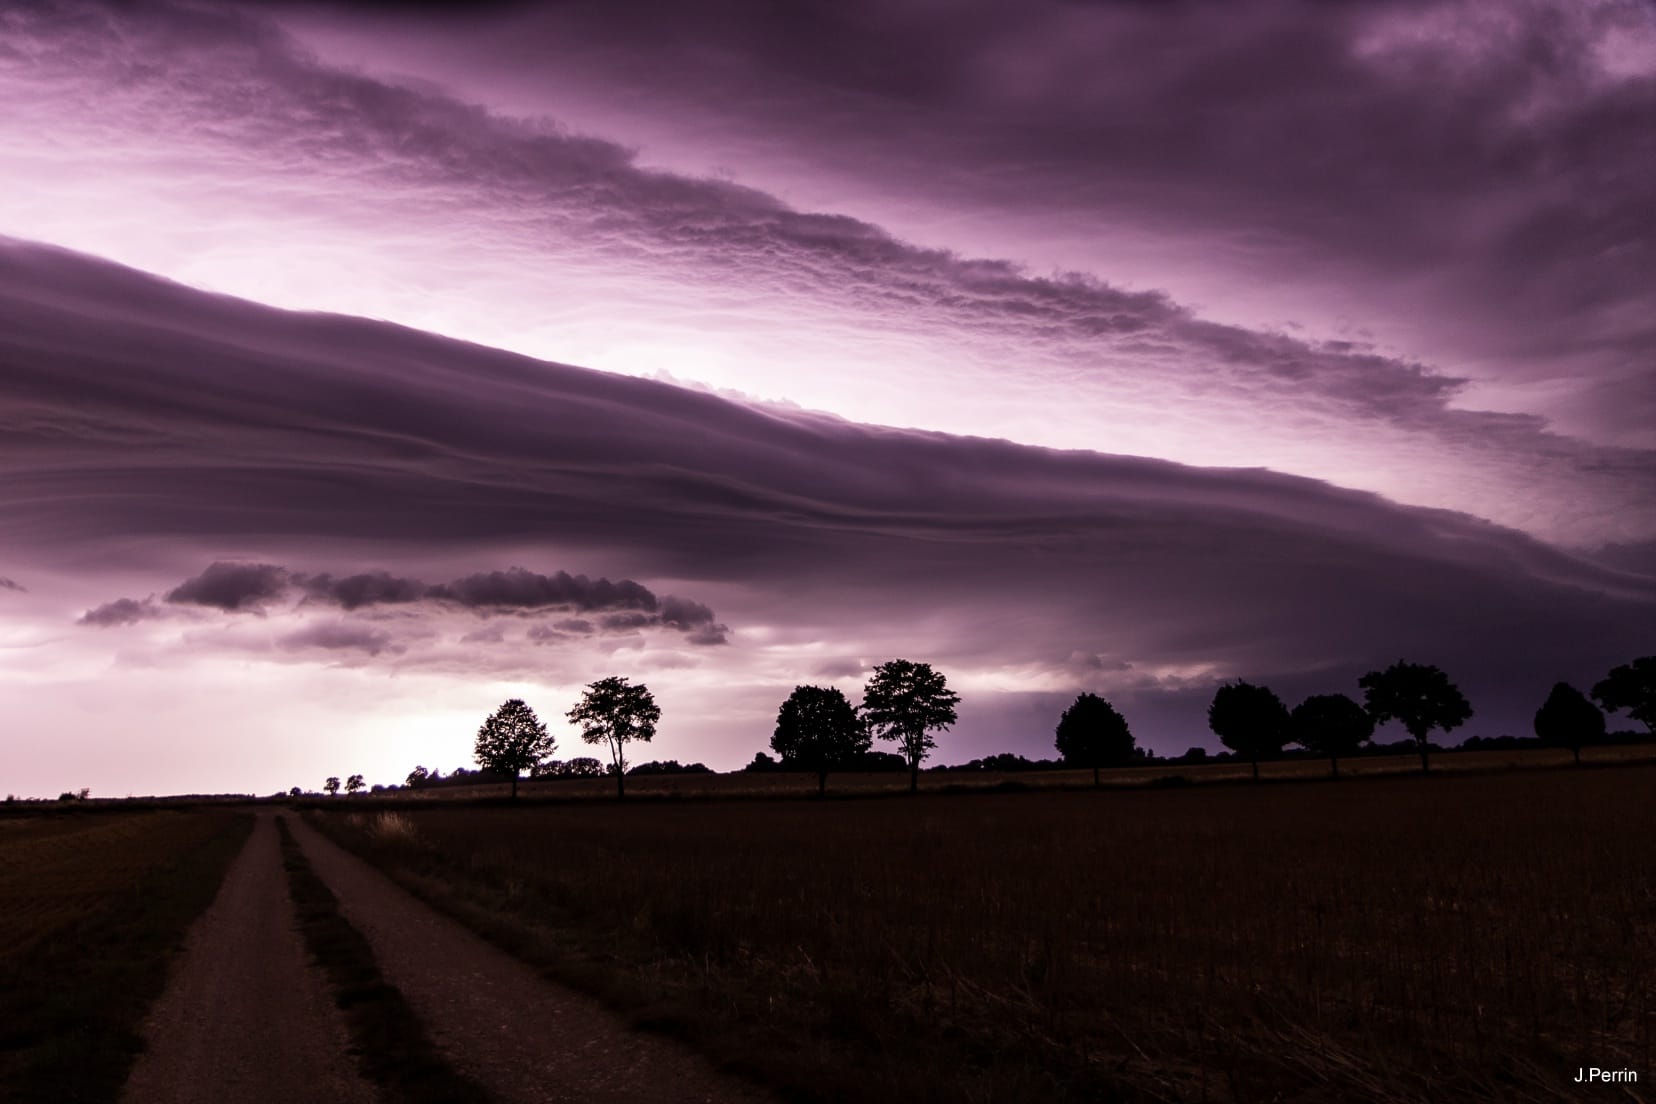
(668, 766)
(512, 740)
(905, 701)
(295, 792)
(418, 777)
(353, 783)
(1632, 687)
(1418, 695)
(1250, 720)
(615, 712)
(881, 762)
(1331, 725)
(819, 731)
(1092, 734)
(761, 764)
(1006, 762)
(1568, 719)
(332, 785)
(583, 766)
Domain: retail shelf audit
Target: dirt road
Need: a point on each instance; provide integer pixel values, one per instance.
(244, 1018)
(495, 1019)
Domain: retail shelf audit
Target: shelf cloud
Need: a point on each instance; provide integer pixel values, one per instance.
(144, 415)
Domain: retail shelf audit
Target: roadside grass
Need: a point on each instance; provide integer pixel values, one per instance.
(93, 908)
(1466, 937)
(391, 1046)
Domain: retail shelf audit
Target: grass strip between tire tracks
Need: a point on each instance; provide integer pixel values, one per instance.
(391, 1046)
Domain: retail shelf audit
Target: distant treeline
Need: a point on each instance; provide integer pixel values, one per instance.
(818, 730)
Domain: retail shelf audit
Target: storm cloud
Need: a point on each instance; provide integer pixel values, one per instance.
(1464, 181)
(233, 587)
(142, 412)
(527, 590)
(721, 282)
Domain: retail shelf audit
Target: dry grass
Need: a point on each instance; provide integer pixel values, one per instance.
(1389, 939)
(391, 828)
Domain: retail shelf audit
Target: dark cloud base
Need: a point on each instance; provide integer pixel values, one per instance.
(137, 410)
(235, 587)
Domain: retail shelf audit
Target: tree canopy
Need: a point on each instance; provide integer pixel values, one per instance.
(1419, 696)
(1092, 734)
(1331, 725)
(1250, 720)
(818, 730)
(615, 712)
(1632, 687)
(331, 785)
(905, 701)
(513, 740)
(1567, 719)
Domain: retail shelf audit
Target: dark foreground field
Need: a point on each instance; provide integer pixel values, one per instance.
(92, 908)
(1389, 939)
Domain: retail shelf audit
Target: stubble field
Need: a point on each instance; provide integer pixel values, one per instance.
(1384, 939)
(92, 907)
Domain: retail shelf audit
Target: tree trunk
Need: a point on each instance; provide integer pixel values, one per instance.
(620, 775)
(1095, 776)
(1256, 770)
(1577, 751)
(1334, 765)
(514, 785)
(914, 776)
(1425, 764)
(822, 784)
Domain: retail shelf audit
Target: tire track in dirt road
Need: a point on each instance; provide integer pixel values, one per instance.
(496, 1020)
(245, 1019)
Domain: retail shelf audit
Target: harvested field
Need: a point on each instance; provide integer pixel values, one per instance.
(92, 907)
(1475, 937)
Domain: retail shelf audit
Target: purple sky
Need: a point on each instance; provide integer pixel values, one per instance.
(1121, 347)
